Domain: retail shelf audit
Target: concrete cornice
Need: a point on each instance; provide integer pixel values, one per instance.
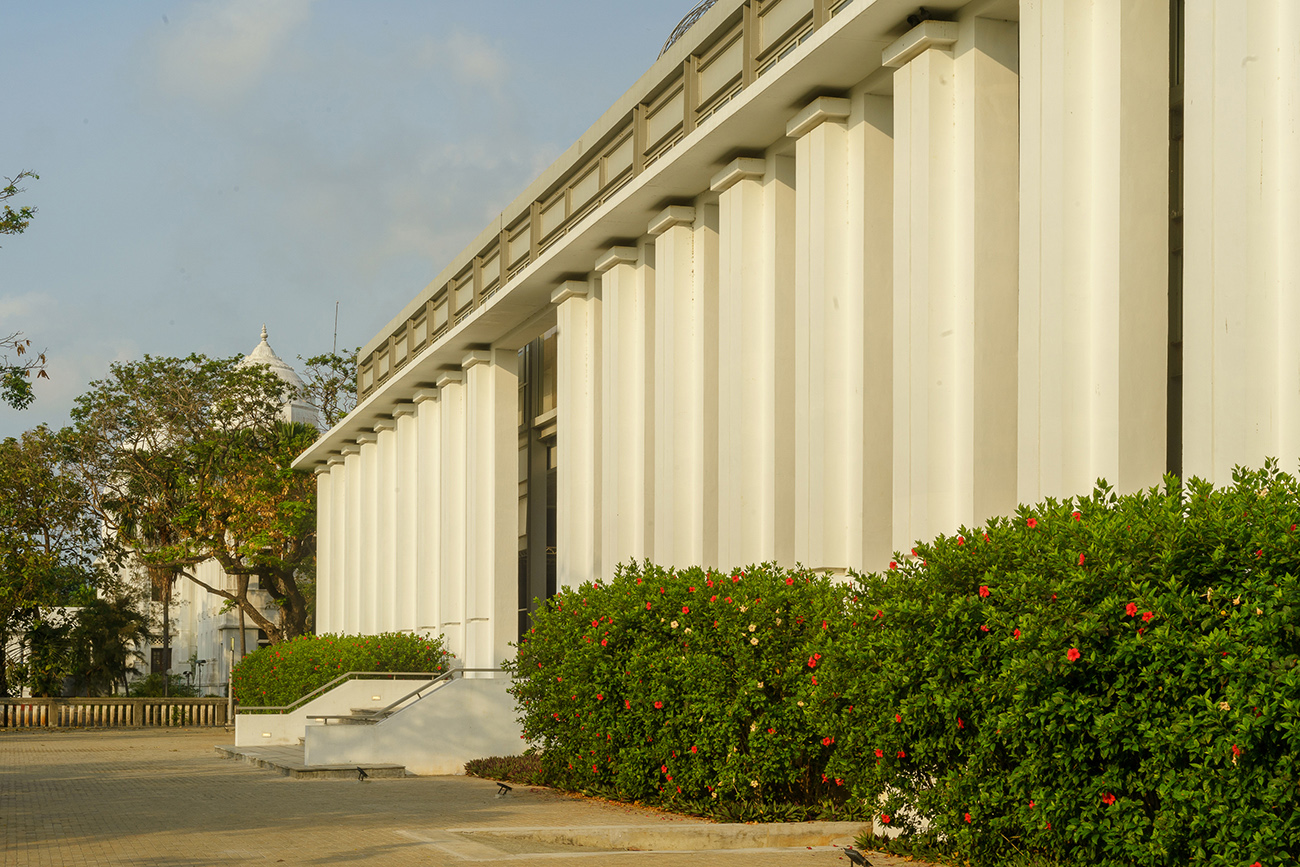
(403, 409)
(736, 171)
(673, 215)
(475, 357)
(450, 377)
(334, 460)
(816, 113)
(424, 394)
(367, 437)
(386, 424)
(921, 38)
(350, 449)
(616, 256)
(570, 289)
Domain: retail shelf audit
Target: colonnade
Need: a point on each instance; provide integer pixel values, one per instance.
(944, 291)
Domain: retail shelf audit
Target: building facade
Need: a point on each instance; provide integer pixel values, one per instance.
(835, 275)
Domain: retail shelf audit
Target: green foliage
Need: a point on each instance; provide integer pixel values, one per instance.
(525, 770)
(283, 673)
(330, 384)
(152, 687)
(14, 221)
(16, 372)
(683, 687)
(1108, 680)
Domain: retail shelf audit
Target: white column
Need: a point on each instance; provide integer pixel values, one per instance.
(1241, 283)
(578, 440)
(705, 340)
(351, 621)
(428, 535)
(755, 361)
(386, 526)
(1093, 320)
(870, 257)
(324, 553)
(451, 607)
(682, 392)
(368, 590)
(827, 339)
(955, 265)
(407, 520)
(333, 618)
(491, 506)
(627, 506)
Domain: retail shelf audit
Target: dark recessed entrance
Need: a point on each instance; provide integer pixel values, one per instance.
(537, 426)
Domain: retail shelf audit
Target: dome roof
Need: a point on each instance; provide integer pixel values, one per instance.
(686, 24)
(264, 354)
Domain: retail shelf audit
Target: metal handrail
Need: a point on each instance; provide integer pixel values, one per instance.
(383, 712)
(346, 676)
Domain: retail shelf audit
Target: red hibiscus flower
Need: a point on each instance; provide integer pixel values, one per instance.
(812, 662)
(1077, 515)
(1131, 609)
(789, 582)
(686, 609)
(960, 724)
(880, 754)
(1031, 804)
(961, 540)
(627, 704)
(771, 731)
(604, 642)
(1073, 654)
(1236, 751)
(659, 705)
(1080, 559)
(1015, 633)
(647, 606)
(695, 749)
(966, 816)
(600, 697)
(902, 754)
(884, 818)
(1031, 523)
(1108, 799)
(826, 742)
(1146, 616)
(984, 627)
(984, 590)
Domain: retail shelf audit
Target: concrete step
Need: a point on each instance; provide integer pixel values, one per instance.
(289, 761)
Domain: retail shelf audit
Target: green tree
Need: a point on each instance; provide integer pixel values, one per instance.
(49, 540)
(188, 461)
(16, 372)
(330, 384)
(102, 641)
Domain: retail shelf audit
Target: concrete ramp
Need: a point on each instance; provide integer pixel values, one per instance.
(468, 718)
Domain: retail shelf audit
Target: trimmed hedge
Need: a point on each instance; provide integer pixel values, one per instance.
(283, 673)
(1110, 680)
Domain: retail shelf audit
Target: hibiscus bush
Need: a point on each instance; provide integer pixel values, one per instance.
(1106, 681)
(685, 687)
(280, 674)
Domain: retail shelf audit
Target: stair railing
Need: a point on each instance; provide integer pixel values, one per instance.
(342, 678)
(412, 697)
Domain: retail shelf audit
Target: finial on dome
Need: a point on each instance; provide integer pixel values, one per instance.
(263, 332)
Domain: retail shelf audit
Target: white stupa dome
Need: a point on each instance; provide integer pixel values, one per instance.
(295, 408)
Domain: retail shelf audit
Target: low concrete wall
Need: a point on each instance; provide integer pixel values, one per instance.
(258, 729)
(466, 719)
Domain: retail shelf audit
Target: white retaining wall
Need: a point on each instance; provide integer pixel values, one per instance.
(271, 729)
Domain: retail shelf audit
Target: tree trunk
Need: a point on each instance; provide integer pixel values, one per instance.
(167, 633)
(4, 663)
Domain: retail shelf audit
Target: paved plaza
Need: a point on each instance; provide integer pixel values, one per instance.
(166, 799)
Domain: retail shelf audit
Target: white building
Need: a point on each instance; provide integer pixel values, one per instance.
(205, 636)
(830, 278)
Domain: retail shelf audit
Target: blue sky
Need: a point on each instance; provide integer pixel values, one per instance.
(210, 165)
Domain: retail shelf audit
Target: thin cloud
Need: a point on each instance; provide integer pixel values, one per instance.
(223, 48)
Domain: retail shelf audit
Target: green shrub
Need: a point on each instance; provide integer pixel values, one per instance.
(525, 770)
(682, 687)
(283, 673)
(152, 687)
(1107, 681)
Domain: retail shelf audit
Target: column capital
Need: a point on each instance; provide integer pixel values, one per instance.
(334, 460)
(385, 424)
(570, 289)
(475, 357)
(738, 170)
(450, 377)
(673, 215)
(921, 38)
(321, 470)
(616, 256)
(816, 113)
(366, 437)
(350, 449)
(403, 409)
(424, 394)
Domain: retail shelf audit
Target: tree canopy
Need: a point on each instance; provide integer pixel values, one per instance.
(17, 362)
(330, 384)
(188, 460)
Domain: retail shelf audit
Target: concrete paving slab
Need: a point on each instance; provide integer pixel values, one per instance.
(166, 799)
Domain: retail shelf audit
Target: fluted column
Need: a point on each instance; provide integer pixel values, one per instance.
(755, 361)
(828, 340)
(578, 438)
(684, 389)
(1241, 302)
(325, 582)
(428, 536)
(352, 577)
(627, 388)
(332, 617)
(386, 526)
(369, 579)
(955, 266)
(406, 521)
(451, 392)
(491, 505)
(1094, 121)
